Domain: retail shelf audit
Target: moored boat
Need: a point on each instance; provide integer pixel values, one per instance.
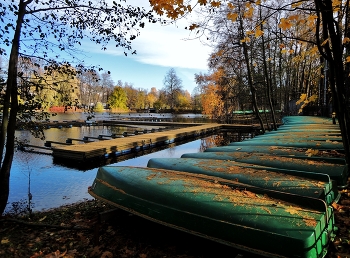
(310, 154)
(337, 172)
(318, 145)
(269, 223)
(318, 186)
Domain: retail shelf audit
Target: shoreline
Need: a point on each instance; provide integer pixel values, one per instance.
(79, 230)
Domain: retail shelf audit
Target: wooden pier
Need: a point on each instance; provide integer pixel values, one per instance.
(97, 149)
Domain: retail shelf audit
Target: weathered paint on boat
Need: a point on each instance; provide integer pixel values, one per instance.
(298, 131)
(319, 145)
(283, 129)
(268, 223)
(337, 172)
(322, 188)
(282, 151)
(307, 120)
(310, 125)
(282, 139)
(286, 136)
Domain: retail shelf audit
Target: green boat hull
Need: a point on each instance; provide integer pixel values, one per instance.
(318, 145)
(337, 172)
(321, 188)
(268, 223)
(282, 151)
(308, 120)
(301, 136)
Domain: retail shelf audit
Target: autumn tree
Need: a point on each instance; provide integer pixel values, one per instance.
(172, 86)
(141, 99)
(42, 30)
(131, 94)
(328, 29)
(56, 88)
(117, 101)
(184, 100)
(161, 102)
(107, 85)
(211, 94)
(152, 97)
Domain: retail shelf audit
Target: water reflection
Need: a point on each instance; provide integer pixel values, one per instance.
(52, 185)
(189, 118)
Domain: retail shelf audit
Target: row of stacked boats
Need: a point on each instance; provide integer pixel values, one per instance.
(271, 195)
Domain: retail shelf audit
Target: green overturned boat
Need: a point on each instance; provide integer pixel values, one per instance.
(300, 136)
(302, 153)
(316, 185)
(337, 172)
(261, 221)
(318, 145)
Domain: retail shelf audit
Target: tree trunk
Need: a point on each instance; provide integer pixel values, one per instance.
(334, 56)
(9, 118)
(252, 88)
(250, 80)
(267, 81)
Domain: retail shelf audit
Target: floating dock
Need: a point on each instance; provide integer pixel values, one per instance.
(115, 147)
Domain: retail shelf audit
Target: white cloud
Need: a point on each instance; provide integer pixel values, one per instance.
(167, 45)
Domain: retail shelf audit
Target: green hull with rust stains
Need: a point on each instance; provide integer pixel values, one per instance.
(316, 186)
(269, 223)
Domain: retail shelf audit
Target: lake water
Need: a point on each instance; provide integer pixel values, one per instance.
(52, 185)
(198, 118)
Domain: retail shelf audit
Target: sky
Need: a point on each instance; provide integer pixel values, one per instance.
(159, 48)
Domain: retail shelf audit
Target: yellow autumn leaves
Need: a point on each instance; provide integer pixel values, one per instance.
(288, 22)
(175, 8)
(304, 100)
(256, 33)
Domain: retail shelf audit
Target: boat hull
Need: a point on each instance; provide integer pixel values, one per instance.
(282, 151)
(320, 187)
(337, 172)
(268, 223)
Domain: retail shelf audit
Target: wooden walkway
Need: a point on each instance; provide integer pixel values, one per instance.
(96, 149)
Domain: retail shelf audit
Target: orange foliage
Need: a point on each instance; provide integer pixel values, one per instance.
(211, 98)
(172, 8)
(285, 24)
(211, 101)
(176, 8)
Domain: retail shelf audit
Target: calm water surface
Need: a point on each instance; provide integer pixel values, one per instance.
(53, 185)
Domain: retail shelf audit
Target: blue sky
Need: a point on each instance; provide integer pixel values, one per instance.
(159, 48)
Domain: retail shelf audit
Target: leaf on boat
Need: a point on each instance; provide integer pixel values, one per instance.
(311, 152)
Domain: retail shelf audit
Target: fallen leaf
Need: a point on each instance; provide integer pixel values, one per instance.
(5, 241)
(35, 255)
(107, 254)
